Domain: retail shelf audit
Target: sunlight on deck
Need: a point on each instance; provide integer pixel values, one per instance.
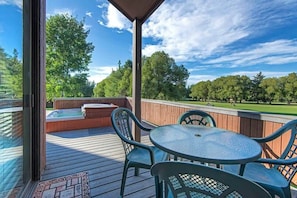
(99, 152)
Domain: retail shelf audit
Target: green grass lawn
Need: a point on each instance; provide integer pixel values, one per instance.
(283, 109)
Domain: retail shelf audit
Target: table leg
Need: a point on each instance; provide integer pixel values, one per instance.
(242, 166)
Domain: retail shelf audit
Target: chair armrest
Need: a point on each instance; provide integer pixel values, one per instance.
(285, 128)
(143, 146)
(267, 139)
(144, 128)
(278, 161)
(260, 140)
(139, 124)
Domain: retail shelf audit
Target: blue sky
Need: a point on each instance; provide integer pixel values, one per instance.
(210, 38)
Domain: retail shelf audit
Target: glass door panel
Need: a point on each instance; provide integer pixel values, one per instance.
(11, 98)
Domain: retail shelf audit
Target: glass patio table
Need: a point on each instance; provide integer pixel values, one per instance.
(206, 144)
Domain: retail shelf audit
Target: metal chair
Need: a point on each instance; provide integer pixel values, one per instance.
(274, 174)
(180, 179)
(196, 117)
(137, 155)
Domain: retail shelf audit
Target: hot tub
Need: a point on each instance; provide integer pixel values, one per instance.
(86, 117)
(65, 114)
(97, 110)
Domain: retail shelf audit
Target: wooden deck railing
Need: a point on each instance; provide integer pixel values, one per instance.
(252, 124)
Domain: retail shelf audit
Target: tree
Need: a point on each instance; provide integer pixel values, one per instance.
(15, 67)
(118, 83)
(162, 78)
(232, 87)
(112, 84)
(67, 57)
(245, 85)
(271, 88)
(256, 90)
(291, 87)
(5, 80)
(125, 83)
(217, 90)
(11, 75)
(99, 89)
(201, 90)
(88, 89)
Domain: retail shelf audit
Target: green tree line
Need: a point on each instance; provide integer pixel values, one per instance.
(68, 55)
(238, 88)
(162, 79)
(11, 70)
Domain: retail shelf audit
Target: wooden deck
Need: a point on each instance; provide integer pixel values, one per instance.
(98, 151)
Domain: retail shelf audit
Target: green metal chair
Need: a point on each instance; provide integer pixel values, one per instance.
(184, 180)
(137, 155)
(276, 176)
(197, 117)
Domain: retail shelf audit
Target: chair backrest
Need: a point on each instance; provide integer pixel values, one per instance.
(195, 180)
(290, 150)
(121, 119)
(197, 117)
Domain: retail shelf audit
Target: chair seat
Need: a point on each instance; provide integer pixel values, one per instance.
(142, 156)
(260, 174)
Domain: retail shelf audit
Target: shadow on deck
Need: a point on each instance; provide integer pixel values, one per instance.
(99, 152)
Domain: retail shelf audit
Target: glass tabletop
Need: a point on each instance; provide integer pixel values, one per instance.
(205, 144)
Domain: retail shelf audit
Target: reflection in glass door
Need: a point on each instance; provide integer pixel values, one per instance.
(11, 98)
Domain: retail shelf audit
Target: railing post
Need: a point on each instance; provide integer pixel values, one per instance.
(136, 68)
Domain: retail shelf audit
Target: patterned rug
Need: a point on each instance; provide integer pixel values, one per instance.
(76, 185)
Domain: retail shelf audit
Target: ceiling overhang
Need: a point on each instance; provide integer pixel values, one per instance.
(136, 9)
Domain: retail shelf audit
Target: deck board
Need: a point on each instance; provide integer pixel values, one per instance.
(98, 151)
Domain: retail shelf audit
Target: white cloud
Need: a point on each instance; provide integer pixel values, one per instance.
(193, 79)
(100, 6)
(199, 30)
(267, 74)
(115, 19)
(191, 30)
(101, 22)
(63, 11)
(275, 52)
(89, 14)
(18, 3)
(87, 27)
(99, 73)
(198, 68)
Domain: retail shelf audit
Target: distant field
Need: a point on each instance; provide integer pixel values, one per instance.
(283, 109)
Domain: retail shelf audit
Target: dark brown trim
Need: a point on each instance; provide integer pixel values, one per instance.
(142, 14)
(136, 68)
(117, 6)
(35, 87)
(151, 10)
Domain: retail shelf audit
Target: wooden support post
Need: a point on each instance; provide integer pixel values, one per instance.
(136, 91)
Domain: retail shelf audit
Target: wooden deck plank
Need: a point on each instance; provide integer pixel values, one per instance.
(99, 152)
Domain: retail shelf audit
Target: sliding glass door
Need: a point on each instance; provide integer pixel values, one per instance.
(12, 159)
